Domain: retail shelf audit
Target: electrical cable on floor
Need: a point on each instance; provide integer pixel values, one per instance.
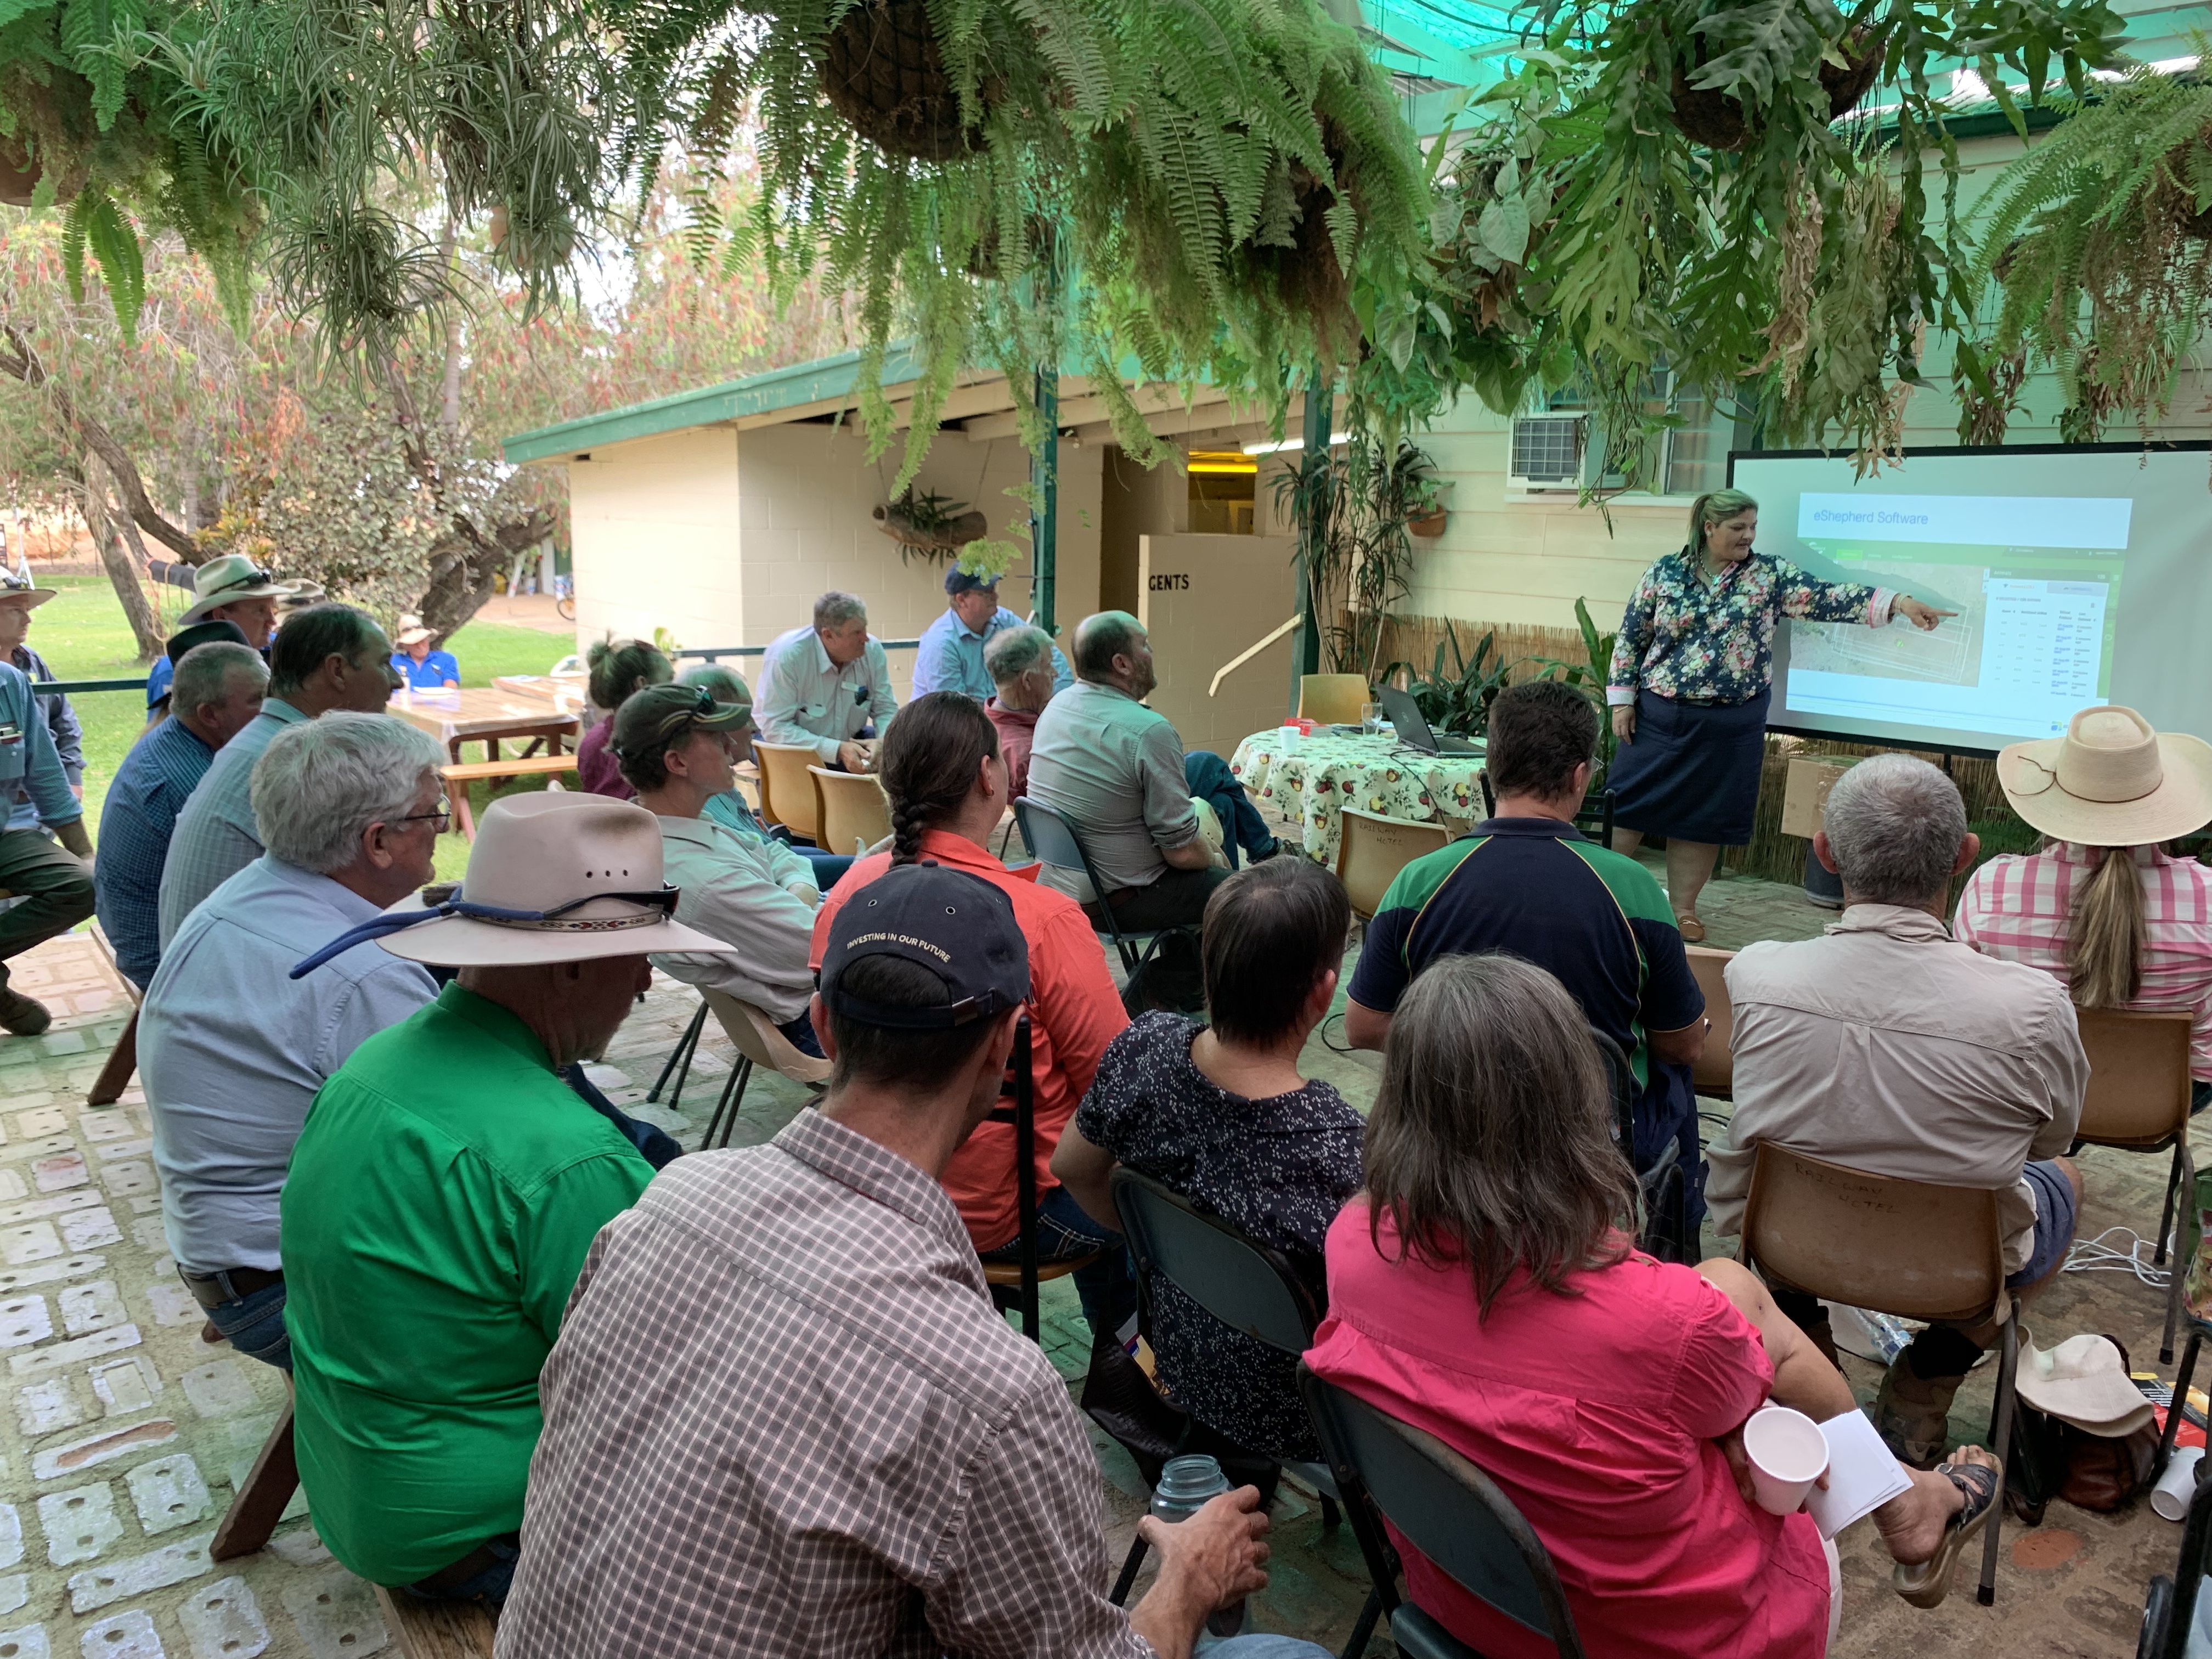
(1322, 1032)
(2094, 1255)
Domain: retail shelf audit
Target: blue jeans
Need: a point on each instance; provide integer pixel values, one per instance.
(1208, 777)
(489, 1585)
(2054, 1222)
(1262, 1647)
(254, 1325)
(827, 866)
(1107, 1287)
(799, 1033)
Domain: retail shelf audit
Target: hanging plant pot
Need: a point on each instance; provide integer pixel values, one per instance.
(1717, 121)
(1308, 278)
(883, 71)
(1429, 524)
(950, 535)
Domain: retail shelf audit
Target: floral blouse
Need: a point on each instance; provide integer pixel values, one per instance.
(1713, 641)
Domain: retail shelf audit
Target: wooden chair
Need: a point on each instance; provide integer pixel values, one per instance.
(787, 792)
(1908, 1248)
(852, 812)
(1448, 1509)
(1014, 1283)
(2138, 1101)
(122, 1059)
(1333, 699)
(259, 1503)
(1371, 849)
(435, 1630)
(758, 1043)
(1715, 1072)
(458, 778)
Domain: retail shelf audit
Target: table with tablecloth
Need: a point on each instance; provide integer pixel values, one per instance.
(1332, 770)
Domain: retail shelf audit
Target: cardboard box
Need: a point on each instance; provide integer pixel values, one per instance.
(1804, 799)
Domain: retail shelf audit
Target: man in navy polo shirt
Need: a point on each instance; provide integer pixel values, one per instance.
(1526, 883)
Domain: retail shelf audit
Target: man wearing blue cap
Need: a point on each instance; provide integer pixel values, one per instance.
(951, 654)
(783, 1418)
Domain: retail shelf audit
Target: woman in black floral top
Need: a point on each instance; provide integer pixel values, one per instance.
(1691, 673)
(1221, 1116)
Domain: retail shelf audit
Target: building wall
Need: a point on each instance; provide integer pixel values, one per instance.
(1205, 599)
(655, 530)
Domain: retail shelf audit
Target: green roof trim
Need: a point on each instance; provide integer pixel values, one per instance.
(733, 400)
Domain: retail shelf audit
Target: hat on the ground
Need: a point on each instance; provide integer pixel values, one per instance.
(234, 577)
(957, 926)
(2083, 1381)
(656, 715)
(958, 581)
(411, 629)
(2110, 781)
(19, 590)
(561, 877)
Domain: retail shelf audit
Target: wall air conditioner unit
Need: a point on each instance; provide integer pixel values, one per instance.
(1547, 452)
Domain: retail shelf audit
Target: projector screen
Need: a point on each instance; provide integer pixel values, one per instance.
(2081, 574)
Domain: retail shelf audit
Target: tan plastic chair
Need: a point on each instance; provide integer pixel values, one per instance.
(786, 793)
(851, 812)
(1715, 1072)
(1372, 849)
(1333, 699)
(758, 1043)
(1908, 1248)
(2138, 1101)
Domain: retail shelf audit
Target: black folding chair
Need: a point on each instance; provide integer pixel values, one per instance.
(2170, 1608)
(1014, 1285)
(1447, 1509)
(1051, 839)
(1242, 1283)
(1660, 1189)
(679, 1058)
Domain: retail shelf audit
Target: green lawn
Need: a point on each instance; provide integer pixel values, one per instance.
(83, 635)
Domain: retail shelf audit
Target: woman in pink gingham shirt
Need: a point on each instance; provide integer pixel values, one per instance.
(2102, 906)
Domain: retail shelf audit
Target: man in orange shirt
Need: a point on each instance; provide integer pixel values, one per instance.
(940, 764)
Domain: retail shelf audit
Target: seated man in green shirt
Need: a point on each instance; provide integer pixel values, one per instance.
(447, 1184)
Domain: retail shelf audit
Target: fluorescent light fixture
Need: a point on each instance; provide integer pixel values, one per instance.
(1334, 439)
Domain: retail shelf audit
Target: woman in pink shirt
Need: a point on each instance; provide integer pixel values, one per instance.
(1603, 1391)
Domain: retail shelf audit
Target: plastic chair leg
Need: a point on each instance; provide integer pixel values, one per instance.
(2001, 1437)
(2185, 1182)
(1130, 1565)
(2166, 1216)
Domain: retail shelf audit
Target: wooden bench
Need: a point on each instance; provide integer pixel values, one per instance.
(435, 1630)
(458, 777)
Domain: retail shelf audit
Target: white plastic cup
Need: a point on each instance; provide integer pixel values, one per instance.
(1287, 740)
(1788, 1453)
(2170, 1497)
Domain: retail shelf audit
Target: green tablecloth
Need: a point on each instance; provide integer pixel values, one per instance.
(1332, 771)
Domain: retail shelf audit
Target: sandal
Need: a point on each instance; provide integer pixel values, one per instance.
(1928, 1582)
(1693, 931)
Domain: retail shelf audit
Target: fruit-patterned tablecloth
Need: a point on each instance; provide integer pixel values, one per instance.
(1332, 771)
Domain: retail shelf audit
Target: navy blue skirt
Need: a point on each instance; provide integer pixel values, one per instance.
(1691, 772)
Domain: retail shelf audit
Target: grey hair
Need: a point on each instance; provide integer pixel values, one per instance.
(1015, 653)
(320, 784)
(834, 609)
(205, 674)
(1894, 826)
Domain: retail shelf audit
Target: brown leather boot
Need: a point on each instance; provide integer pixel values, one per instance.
(1912, 1414)
(22, 1016)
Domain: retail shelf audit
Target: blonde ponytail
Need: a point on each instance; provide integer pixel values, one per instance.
(2107, 935)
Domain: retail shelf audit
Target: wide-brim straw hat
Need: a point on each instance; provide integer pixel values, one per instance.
(19, 590)
(411, 630)
(546, 851)
(234, 577)
(2083, 1381)
(2111, 781)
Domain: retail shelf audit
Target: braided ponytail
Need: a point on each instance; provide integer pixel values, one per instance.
(927, 764)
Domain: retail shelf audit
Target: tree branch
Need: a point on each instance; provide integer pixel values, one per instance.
(22, 361)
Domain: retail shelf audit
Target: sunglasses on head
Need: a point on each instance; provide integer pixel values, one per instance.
(258, 577)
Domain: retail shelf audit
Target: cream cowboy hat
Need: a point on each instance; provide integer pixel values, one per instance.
(2110, 781)
(411, 629)
(234, 577)
(19, 590)
(553, 878)
(2083, 1381)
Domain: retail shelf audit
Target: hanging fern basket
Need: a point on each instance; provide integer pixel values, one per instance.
(1717, 121)
(949, 537)
(884, 72)
(19, 174)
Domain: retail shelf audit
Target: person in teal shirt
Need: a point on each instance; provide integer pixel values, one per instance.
(447, 1184)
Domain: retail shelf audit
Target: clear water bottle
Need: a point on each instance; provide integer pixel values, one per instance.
(1186, 1485)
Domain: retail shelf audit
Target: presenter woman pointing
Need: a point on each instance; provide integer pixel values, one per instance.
(1689, 685)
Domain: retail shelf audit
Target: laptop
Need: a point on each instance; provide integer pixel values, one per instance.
(1413, 729)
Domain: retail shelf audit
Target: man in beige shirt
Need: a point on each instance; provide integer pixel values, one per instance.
(1888, 1046)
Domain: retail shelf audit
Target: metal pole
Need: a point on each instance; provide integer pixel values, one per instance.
(1044, 513)
(1305, 647)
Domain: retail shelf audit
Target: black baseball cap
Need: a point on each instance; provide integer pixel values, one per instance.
(958, 581)
(959, 927)
(205, 633)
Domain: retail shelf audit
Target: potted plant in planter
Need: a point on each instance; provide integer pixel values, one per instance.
(1425, 508)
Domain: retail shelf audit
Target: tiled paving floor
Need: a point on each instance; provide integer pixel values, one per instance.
(122, 1436)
